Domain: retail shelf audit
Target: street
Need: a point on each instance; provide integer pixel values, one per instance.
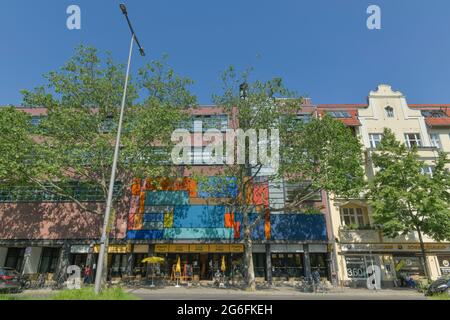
(279, 293)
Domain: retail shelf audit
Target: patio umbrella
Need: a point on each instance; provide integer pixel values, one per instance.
(178, 269)
(153, 260)
(223, 266)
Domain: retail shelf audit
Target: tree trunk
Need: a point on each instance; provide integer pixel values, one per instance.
(248, 255)
(424, 256)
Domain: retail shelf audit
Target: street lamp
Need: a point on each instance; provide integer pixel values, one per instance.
(105, 235)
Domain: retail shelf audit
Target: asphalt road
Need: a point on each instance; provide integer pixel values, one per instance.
(185, 293)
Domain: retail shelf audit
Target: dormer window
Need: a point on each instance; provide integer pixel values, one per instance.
(389, 112)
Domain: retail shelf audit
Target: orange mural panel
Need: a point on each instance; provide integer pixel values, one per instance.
(267, 225)
(237, 230)
(136, 187)
(229, 220)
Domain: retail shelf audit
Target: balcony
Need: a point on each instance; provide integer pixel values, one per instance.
(366, 235)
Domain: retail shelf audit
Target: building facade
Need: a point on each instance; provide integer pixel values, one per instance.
(182, 219)
(356, 242)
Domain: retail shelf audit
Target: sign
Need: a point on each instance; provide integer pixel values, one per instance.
(140, 248)
(392, 247)
(178, 248)
(219, 248)
(79, 248)
(161, 248)
(444, 264)
(198, 248)
(236, 248)
(114, 248)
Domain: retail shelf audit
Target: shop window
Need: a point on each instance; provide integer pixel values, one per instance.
(352, 217)
(287, 265)
(408, 265)
(357, 266)
(118, 265)
(319, 263)
(49, 260)
(14, 258)
(259, 264)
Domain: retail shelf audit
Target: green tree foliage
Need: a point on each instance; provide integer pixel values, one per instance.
(404, 199)
(321, 153)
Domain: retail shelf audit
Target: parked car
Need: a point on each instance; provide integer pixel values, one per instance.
(10, 280)
(441, 285)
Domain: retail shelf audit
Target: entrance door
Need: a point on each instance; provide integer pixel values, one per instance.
(204, 267)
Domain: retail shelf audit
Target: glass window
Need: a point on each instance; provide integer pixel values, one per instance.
(319, 263)
(219, 122)
(49, 260)
(299, 190)
(375, 139)
(413, 140)
(427, 170)
(435, 140)
(259, 262)
(340, 114)
(352, 217)
(434, 114)
(389, 112)
(14, 258)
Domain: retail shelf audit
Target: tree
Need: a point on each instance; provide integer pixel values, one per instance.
(406, 200)
(74, 144)
(321, 152)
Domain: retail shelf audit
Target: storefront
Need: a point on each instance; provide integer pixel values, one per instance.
(200, 261)
(444, 264)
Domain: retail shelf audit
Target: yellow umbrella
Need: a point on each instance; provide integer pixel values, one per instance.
(178, 267)
(153, 260)
(223, 267)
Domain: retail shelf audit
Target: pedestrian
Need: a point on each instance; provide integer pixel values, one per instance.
(87, 275)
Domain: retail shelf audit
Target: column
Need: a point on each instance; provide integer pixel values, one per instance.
(268, 265)
(306, 261)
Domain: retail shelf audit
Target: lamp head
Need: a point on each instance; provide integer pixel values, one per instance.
(123, 8)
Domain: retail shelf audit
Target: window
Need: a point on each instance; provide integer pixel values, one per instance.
(36, 120)
(389, 112)
(339, 114)
(300, 189)
(219, 122)
(434, 114)
(427, 170)
(49, 260)
(78, 190)
(413, 140)
(14, 258)
(375, 139)
(352, 217)
(319, 263)
(287, 265)
(435, 140)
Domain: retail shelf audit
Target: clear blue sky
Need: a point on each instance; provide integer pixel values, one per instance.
(321, 48)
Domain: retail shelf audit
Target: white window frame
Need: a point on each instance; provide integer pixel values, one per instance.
(375, 139)
(427, 170)
(417, 139)
(435, 140)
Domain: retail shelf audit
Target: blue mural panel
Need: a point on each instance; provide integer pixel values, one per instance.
(198, 233)
(218, 187)
(298, 227)
(167, 198)
(154, 217)
(198, 216)
(153, 225)
(145, 234)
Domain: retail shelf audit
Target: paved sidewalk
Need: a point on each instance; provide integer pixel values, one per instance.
(278, 293)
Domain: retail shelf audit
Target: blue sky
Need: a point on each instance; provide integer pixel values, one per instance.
(321, 48)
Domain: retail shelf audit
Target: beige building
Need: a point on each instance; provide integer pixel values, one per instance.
(357, 244)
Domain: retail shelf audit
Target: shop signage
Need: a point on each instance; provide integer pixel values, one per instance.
(444, 264)
(140, 248)
(395, 247)
(115, 248)
(198, 248)
(178, 248)
(79, 248)
(219, 248)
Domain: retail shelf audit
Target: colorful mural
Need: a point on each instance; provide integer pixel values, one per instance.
(184, 209)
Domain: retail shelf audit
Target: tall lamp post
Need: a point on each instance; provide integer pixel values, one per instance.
(105, 233)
